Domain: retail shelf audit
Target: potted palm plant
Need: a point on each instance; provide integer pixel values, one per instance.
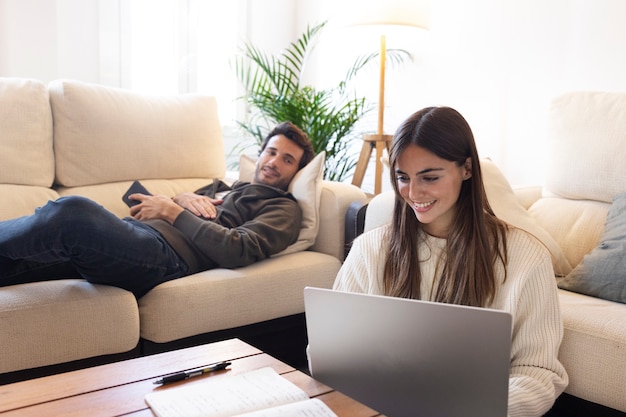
(274, 92)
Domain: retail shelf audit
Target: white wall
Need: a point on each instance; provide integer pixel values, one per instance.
(499, 62)
(28, 52)
(49, 39)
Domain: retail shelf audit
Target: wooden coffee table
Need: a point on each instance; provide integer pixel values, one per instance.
(119, 388)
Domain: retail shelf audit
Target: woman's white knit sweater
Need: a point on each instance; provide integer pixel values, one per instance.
(529, 293)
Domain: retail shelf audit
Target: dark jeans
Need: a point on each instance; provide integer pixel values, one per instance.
(75, 237)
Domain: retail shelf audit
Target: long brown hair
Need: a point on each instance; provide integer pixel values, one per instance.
(476, 240)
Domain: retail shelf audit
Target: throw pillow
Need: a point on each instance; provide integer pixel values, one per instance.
(602, 272)
(506, 206)
(306, 187)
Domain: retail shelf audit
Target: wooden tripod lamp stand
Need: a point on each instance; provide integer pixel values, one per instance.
(414, 13)
(379, 141)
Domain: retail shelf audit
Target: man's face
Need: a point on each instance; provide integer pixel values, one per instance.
(278, 163)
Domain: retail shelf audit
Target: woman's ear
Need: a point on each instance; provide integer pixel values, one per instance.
(467, 167)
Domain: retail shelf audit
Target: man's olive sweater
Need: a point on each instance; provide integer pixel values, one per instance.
(254, 222)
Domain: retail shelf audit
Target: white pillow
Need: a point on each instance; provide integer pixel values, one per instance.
(506, 206)
(306, 187)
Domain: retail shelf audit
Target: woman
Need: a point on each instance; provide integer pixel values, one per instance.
(445, 244)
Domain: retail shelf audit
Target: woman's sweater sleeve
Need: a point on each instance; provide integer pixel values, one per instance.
(362, 270)
(537, 377)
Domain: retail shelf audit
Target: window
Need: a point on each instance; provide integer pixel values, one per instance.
(174, 46)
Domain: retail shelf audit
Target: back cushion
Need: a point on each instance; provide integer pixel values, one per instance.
(26, 155)
(104, 134)
(587, 146)
(586, 171)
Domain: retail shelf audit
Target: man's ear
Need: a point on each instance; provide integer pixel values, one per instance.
(467, 166)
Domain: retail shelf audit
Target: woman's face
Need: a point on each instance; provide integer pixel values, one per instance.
(430, 186)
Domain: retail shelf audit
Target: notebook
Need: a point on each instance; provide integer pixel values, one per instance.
(406, 357)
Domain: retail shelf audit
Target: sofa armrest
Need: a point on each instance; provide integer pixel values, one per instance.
(527, 195)
(367, 215)
(335, 200)
(355, 223)
(380, 210)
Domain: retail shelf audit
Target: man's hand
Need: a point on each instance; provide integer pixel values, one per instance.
(155, 207)
(201, 206)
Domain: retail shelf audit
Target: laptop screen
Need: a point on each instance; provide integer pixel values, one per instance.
(407, 357)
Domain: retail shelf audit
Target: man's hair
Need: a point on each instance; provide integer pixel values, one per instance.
(294, 134)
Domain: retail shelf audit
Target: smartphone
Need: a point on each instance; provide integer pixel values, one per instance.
(135, 187)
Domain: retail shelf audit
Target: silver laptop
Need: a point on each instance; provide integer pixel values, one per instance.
(410, 358)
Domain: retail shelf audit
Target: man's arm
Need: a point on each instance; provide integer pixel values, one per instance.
(155, 207)
(199, 205)
(274, 227)
(161, 207)
(261, 227)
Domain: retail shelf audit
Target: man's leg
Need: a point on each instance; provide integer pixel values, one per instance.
(101, 247)
(21, 271)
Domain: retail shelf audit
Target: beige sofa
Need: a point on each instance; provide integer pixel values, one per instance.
(69, 138)
(587, 170)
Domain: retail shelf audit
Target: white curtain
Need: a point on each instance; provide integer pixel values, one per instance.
(172, 46)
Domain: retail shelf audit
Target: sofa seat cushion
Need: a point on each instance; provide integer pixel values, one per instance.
(222, 298)
(110, 195)
(64, 320)
(22, 200)
(593, 350)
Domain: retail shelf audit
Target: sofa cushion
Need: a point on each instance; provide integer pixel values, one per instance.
(602, 273)
(588, 133)
(576, 225)
(592, 350)
(26, 154)
(104, 134)
(507, 207)
(110, 195)
(22, 200)
(586, 170)
(306, 187)
(64, 320)
(224, 298)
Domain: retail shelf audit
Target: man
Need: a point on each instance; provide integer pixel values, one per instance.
(165, 238)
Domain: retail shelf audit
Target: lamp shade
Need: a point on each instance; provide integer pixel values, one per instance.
(414, 13)
(385, 15)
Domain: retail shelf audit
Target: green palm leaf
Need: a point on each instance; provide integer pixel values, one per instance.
(275, 93)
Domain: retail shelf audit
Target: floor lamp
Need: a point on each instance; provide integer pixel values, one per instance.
(384, 15)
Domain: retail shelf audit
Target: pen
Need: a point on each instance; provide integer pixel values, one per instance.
(179, 376)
